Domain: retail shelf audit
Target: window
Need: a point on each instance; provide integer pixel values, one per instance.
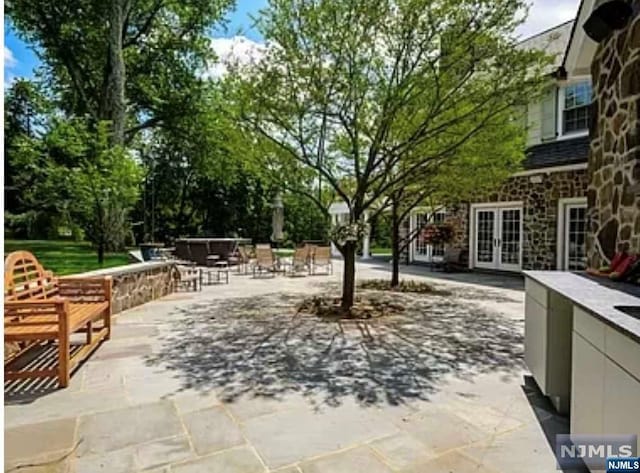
(577, 101)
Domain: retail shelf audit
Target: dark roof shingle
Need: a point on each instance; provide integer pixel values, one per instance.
(557, 153)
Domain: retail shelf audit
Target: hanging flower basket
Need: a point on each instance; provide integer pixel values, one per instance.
(437, 233)
(342, 234)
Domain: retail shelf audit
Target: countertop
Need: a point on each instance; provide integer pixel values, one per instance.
(594, 296)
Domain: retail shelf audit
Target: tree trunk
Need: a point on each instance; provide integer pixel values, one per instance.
(349, 276)
(395, 244)
(101, 253)
(115, 106)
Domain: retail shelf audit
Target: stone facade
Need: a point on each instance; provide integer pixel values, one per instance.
(614, 159)
(136, 284)
(540, 194)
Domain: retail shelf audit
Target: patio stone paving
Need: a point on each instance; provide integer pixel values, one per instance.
(232, 380)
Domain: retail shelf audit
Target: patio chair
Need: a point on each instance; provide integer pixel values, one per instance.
(455, 259)
(300, 260)
(242, 259)
(188, 277)
(265, 261)
(322, 258)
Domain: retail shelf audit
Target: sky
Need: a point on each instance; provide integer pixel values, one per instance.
(238, 35)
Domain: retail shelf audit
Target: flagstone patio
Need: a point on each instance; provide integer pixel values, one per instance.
(232, 380)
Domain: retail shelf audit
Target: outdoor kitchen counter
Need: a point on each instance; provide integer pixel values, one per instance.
(599, 298)
(584, 353)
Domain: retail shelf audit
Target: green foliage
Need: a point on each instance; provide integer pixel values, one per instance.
(105, 184)
(164, 45)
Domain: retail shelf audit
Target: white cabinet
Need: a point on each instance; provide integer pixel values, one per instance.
(548, 322)
(587, 385)
(605, 392)
(621, 412)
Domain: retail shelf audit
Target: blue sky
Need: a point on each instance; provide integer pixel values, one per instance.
(20, 60)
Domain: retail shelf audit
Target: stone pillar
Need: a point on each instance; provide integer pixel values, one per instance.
(334, 249)
(365, 239)
(614, 159)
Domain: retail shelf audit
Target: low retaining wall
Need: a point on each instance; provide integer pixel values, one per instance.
(135, 284)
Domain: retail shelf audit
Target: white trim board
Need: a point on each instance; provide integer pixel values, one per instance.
(551, 169)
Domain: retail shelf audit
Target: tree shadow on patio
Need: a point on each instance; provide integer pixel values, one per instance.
(259, 346)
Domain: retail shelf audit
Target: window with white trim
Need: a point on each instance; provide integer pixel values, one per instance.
(577, 102)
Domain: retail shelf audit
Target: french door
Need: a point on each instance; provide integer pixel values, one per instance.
(421, 250)
(498, 238)
(572, 246)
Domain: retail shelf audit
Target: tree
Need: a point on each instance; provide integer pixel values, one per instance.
(105, 183)
(131, 63)
(477, 168)
(350, 90)
(33, 200)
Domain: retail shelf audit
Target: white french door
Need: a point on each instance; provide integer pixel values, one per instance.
(421, 250)
(497, 237)
(572, 247)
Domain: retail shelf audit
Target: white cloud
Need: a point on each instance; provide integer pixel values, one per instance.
(9, 63)
(236, 50)
(9, 59)
(545, 14)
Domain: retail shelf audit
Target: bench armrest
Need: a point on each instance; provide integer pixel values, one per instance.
(78, 289)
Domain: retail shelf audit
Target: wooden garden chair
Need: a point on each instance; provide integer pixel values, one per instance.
(300, 260)
(322, 258)
(40, 308)
(265, 261)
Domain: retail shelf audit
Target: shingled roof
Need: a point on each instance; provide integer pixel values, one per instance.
(557, 153)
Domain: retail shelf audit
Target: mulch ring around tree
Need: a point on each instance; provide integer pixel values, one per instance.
(365, 307)
(409, 286)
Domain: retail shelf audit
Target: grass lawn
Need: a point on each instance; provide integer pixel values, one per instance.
(380, 251)
(65, 257)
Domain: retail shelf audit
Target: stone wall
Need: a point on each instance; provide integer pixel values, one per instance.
(614, 159)
(540, 194)
(135, 284)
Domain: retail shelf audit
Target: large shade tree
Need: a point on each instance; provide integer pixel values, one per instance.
(369, 94)
(132, 63)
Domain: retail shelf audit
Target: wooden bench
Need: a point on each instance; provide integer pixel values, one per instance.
(39, 308)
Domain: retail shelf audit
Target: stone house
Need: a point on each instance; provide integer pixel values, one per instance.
(538, 218)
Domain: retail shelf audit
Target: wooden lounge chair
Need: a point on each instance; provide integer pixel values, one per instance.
(300, 260)
(242, 259)
(265, 261)
(322, 258)
(40, 308)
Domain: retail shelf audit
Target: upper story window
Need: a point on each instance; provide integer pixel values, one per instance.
(577, 101)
